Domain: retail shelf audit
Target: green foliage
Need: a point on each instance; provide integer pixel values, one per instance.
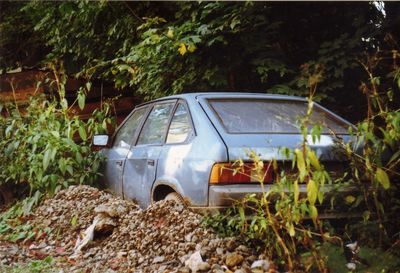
(95, 30)
(20, 45)
(376, 168)
(159, 48)
(378, 259)
(13, 226)
(47, 149)
(36, 266)
(214, 46)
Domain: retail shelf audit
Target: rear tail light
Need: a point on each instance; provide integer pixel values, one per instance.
(233, 173)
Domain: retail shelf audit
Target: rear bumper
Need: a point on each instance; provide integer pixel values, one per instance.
(223, 197)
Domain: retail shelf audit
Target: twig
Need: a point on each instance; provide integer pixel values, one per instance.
(133, 13)
(11, 82)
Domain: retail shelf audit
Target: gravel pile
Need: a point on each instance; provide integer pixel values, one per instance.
(93, 231)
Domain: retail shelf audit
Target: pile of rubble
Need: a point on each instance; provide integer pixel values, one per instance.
(93, 231)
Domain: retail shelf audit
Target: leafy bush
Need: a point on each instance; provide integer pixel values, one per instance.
(46, 148)
(377, 169)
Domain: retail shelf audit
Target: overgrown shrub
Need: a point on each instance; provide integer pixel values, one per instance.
(377, 170)
(46, 148)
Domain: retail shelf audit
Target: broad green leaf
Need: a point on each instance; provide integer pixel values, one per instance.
(312, 191)
(53, 153)
(81, 100)
(46, 159)
(88, 86)
(313, 212)
(313, 159)
(82, 132)
(70, 170)
(9, 129)
(170, 33)
(301, 166)
(296, 191)
(320, 196)
(382, 178)
(78, 157)
(62, 166)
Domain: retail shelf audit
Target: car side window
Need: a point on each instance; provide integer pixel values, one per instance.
(126, 134)
(180, 127)
(155, 127)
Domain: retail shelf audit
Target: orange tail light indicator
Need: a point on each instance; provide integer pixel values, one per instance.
(231, 173)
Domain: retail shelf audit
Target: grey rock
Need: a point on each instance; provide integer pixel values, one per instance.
(158, 259)
(196, 263)
(263, 265)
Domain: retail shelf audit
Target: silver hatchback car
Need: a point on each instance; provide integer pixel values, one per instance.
(180, 147)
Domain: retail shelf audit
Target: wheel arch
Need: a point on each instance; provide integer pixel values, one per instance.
(161, 188)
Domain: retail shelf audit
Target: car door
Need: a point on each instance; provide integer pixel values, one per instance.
(140, 168)
(120, 149)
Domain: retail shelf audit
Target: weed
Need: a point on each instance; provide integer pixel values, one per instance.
(36, 266)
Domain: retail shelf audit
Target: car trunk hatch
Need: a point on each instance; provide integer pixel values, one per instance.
(265, 126)
(270, 147)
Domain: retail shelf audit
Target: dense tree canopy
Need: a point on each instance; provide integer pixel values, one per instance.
(162, 48)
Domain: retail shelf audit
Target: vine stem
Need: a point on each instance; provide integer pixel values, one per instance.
(11, 82)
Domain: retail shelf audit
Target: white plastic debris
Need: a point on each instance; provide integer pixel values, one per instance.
(353, 247)
(195, 263)
(86, 238)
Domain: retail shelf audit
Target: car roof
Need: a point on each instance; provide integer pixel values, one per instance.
(221, 95)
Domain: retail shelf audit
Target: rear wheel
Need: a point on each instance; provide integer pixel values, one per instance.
(175, 197)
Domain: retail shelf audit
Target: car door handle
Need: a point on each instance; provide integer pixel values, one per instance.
(119, 162)
(150, 162)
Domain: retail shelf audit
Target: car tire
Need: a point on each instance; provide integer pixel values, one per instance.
(175, 197)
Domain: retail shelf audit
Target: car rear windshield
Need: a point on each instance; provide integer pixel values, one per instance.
(271, 116)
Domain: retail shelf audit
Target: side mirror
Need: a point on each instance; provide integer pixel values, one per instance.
(100, 140)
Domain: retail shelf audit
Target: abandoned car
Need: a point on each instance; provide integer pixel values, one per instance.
(182, 147)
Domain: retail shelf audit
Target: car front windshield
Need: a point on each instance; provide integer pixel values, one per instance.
(271, 116)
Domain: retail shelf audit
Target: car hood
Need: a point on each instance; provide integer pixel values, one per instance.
(270, 146)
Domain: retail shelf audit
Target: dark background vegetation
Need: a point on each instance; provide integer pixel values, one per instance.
(163, 48)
